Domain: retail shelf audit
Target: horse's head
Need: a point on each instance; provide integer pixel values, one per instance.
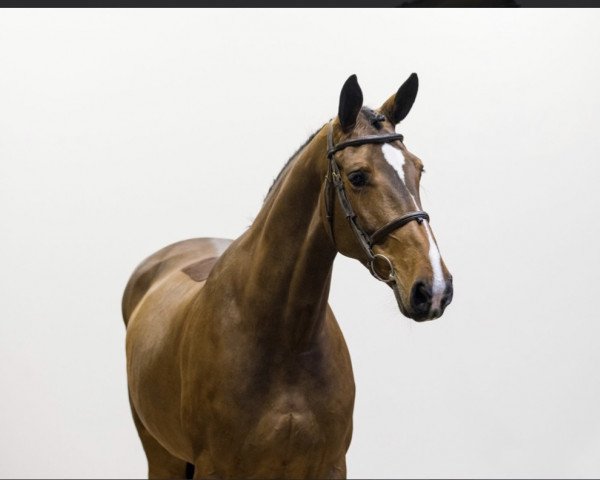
(373, 203)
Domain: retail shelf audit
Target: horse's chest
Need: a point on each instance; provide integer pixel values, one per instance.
(261, 404)
(283, 417)
(291, 430)
(285, 420)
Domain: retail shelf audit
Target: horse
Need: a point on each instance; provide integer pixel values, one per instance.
(236, 365)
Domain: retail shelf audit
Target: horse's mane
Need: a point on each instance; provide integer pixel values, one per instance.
(368, 113)
(295, 154)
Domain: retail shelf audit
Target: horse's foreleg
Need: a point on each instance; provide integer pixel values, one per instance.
(161, 464)
(204, 469)
(338, 471)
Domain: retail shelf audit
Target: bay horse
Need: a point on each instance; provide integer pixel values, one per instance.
(236, 365)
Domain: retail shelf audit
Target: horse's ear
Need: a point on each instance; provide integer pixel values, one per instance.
(396, 107)
(351, 99)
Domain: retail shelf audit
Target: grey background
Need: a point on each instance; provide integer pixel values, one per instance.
(116, 139)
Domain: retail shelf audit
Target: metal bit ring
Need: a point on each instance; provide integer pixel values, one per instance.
(392, 274)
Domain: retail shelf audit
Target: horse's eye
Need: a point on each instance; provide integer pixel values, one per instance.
(358, 178)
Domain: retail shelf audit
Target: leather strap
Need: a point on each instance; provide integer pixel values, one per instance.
(359, 233)
(380, 233)
(362, 140)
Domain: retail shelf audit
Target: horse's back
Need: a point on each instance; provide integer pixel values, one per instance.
(195, 257)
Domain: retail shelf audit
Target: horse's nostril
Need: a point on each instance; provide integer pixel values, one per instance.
(421, 297)
(447, 295)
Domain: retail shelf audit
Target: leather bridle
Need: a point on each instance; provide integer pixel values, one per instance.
(333, 181)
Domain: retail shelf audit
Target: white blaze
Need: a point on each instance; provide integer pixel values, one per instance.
(395, 158)
(439, 284)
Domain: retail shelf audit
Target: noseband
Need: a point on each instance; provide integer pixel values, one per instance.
(333, 181)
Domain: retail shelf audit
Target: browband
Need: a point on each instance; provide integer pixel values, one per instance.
(362, 140)
(378, 235)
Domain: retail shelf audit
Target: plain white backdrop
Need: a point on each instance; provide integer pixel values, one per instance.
(122, 131)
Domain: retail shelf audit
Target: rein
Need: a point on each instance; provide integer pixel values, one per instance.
(333, 181)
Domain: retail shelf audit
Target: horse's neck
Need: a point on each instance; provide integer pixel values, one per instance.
(290, 256)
